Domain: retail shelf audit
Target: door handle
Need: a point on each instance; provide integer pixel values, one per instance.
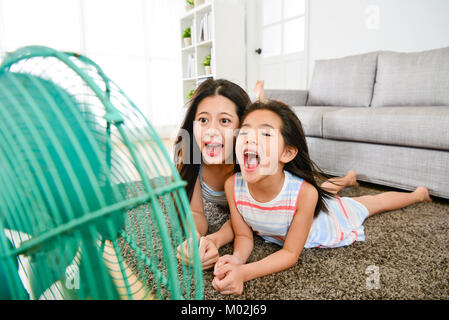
(258, 51)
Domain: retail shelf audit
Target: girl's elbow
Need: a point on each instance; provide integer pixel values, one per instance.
(292, 259)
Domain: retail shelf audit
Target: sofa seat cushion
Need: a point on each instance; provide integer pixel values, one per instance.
(347, 81)
(311, 118)
(423, 127)
(412, 79)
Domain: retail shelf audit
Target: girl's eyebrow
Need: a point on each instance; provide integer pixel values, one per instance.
(205, 112)
(262, 125)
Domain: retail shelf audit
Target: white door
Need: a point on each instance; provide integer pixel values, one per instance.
(276, 39)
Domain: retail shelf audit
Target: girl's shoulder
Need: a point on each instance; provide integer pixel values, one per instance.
(229, 182)
(296, 181)
(307, 193)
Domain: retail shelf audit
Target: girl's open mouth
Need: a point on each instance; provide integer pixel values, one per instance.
(251, 160)
(213, 149)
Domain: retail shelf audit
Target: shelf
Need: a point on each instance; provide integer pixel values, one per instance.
(206, 76)
(210, 20)
(188, 14)
(207, 43)
(199, 77)
(206, 7)
(189, 48)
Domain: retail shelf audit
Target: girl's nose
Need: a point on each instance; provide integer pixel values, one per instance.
(251, 137)
(212, 132)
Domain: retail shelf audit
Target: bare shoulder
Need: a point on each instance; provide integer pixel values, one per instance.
(308, 194)
(229, 183)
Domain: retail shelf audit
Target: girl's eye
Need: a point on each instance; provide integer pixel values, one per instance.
(202, 120)
(266, 134)
(243, 133)
(225, 121)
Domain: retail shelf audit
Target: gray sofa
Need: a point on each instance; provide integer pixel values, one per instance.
(384, 114)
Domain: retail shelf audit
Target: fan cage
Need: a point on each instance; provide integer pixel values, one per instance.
(138, 263)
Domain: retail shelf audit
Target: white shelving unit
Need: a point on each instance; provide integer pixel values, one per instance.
(218, 29)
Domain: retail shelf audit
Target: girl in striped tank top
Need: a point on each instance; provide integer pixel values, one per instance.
(276, 196)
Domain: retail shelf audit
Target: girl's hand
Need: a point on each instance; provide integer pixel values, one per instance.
(183, 252)
(207, 250)
(224, 260)
(231, 281)
(208, 253)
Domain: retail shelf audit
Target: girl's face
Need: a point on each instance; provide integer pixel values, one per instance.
(260, 147)
(215, 122)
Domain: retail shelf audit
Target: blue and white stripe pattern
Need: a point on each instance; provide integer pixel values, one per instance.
(341, 226)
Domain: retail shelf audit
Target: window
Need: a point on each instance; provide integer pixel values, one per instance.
(283, 27)
(135, 42)
(281, 33)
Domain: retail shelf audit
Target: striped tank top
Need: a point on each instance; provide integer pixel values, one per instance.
(341, 226)
(210, 195)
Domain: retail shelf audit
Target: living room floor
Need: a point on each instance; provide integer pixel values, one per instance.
(406, 248)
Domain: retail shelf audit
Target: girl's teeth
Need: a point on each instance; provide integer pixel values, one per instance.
(251, 160)
(213, 149)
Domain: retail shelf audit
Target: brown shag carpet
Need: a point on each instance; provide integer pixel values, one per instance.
(410, 248)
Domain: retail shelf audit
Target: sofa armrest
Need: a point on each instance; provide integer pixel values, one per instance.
(290, 97)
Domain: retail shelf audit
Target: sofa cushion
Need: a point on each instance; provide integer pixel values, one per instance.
(311, 118)
(347, 81)
(412, 79)
(292, 97)
(423, 127)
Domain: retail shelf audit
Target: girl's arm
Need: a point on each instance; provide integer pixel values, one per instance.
(235, 275)
(294, 243)
(222, 236)
(226, 233)
(243, 246)
(196, 206)
(201, 225)
(208, 245)
(243, 235)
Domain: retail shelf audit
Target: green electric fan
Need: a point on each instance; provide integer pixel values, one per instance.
(91, 207)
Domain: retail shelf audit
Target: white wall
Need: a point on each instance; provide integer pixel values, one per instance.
(345, 27)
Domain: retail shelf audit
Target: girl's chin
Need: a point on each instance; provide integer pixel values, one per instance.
(216, 159)
(212, 155)
(212, 160)
(251, 175)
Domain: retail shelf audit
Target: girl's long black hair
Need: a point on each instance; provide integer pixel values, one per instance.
(292, 132)
(187, 157)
